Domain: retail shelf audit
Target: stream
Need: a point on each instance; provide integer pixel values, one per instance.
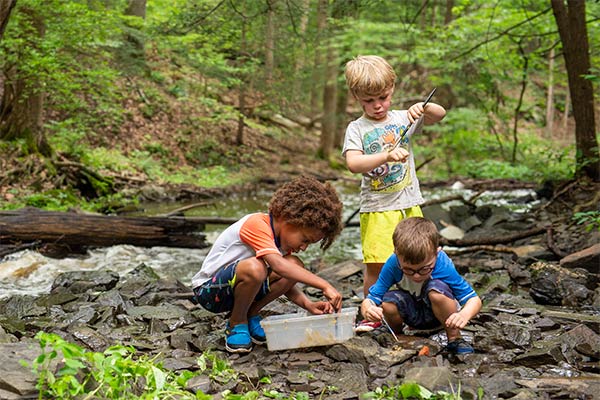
(29, 272)
(537, 336)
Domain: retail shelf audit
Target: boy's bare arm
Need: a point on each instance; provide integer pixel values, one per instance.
(360, 163)
(298, 297)
(433, 113)
(295, 272)
(460, 319)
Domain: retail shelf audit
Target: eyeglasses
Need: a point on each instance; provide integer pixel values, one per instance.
(421, 271)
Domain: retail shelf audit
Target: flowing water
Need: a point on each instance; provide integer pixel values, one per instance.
(29, 272)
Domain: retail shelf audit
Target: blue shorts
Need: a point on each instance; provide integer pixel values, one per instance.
(216, 294)
(416, 310)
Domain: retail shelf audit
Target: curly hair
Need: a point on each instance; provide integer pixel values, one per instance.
(307, 203)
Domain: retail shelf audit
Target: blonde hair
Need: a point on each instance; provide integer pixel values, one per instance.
(415, 239)
(369, 76)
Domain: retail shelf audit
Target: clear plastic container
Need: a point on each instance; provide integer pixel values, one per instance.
(291, 331)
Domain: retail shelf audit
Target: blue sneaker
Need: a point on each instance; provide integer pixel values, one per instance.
(238, 339)
(257, 333)
(459, 346)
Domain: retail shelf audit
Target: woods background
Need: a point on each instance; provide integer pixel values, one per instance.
(98, 92)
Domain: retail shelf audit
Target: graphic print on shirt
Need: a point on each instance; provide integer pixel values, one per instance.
(391, 176)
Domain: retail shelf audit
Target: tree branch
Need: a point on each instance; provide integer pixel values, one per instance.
(499, 35)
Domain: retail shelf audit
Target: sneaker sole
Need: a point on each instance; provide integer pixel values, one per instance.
(257, 341)
(364, 329)
(238, 350)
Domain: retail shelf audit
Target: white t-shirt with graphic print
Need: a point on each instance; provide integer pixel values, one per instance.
(393, 185)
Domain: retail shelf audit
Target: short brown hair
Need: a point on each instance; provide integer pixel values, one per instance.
(307, 203)
(369, 76)
(416, 239)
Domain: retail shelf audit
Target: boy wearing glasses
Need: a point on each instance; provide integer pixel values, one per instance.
(429, 292)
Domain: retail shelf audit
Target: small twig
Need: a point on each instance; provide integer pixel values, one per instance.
(493, 240)
(179, 211)
(551, 245)
(472, 249)
(557, 195)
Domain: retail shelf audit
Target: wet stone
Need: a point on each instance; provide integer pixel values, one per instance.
(433, 378)
(546, 353)
(59, 298)
(89, 337)
(85, 315)
(546, 324)
(199, 383)
(111, 298)
(82, 281)
(165, 312)
(21, 307)
(16, 380)
(181, 338)
(174, 364)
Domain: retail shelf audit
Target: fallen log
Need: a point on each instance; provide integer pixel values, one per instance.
(90, 230)
(493, 240)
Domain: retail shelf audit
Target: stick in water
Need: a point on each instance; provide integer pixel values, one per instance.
(390, 328)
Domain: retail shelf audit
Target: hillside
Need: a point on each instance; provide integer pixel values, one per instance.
(182, 141)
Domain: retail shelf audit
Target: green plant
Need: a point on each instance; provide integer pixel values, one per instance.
(590, 220)
(112, 374)
(220, 370)
(55, 200)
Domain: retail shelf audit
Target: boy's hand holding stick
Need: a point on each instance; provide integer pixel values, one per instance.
(403, 134)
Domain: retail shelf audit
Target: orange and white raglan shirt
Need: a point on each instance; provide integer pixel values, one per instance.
(251, 236)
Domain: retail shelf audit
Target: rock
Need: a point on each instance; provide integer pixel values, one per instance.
(82, 281)
(554, 285)
(365, 350)
(18, 381)
(433, 378)
(452, 232)
(588, 259)
(199, 383)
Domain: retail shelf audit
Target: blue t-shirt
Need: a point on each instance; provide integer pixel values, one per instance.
(443, 270)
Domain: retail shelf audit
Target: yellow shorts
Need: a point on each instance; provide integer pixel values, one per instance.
(376, 230)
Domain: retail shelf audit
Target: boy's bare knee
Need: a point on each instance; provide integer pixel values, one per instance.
(441, 300)
(390, 309)
(251, 269)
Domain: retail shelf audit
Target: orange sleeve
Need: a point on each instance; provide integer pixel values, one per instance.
(256, 232)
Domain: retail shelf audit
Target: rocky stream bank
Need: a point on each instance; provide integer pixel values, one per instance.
(537, 337)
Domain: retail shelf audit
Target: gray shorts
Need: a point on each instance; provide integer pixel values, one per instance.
(416, 310)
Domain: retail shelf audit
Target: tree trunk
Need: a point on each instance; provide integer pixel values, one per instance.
(270, 43)
(572, 28)
(566, 113)
(6, 7)
(300, 59)
(340, 113)
(448, 15)
(328, 128)
(133, 35)
(524, 74)
(550, 96)
(242, 88)
(22, 107)
(317, 73)
(136, 8)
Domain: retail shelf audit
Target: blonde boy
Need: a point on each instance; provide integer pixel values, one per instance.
(389, 189)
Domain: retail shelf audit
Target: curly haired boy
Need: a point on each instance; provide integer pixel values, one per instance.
(251, 262)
